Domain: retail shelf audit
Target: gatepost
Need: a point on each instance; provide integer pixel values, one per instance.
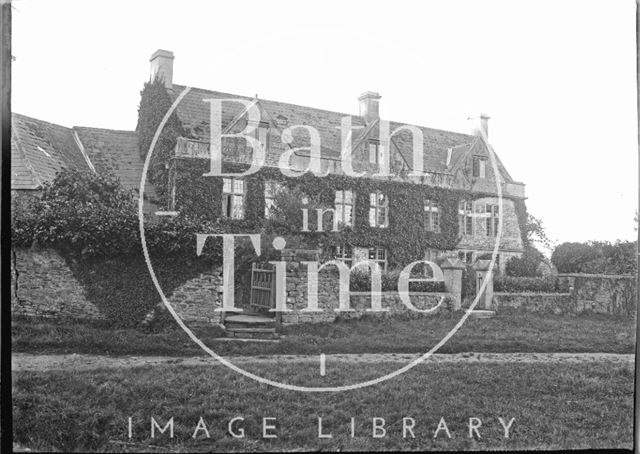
(452, 269)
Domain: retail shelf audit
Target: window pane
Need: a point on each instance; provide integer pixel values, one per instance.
(237, 207)
(226, 185)
(347, 214)
(382, 217)
(482, 169)
(382, 199)
(372, 217)
(348, 196)
(373, 153)
(339, 196)
(238, 186)
(226, 206)
(372, 253)
(372, 199)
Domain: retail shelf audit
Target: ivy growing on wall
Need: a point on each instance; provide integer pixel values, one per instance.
(406, 238)
(154, 103)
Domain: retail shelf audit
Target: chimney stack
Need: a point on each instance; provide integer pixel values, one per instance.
(162, 66)
(481, 124)
(369, 105)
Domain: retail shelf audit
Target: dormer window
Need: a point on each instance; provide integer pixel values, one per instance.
(261, 132)
(479, 167)
(376, 152)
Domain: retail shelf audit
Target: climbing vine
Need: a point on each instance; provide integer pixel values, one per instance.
(406, 237)
(154, 103)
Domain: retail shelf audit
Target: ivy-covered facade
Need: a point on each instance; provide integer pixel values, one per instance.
(452, 210)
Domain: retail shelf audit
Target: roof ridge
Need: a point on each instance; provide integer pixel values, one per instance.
(125, 131)
(321, 109)
(37, 119)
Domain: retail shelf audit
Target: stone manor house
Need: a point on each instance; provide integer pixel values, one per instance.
(452, 161)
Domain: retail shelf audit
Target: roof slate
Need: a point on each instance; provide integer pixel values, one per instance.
(195, 116)
(108, 150)
(39, 150)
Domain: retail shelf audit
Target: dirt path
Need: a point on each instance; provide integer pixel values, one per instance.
(28, 362)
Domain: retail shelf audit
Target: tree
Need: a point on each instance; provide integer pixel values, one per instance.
(536, 233)
(527, 265)
(599, 257)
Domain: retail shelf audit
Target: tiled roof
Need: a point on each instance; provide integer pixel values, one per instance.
(195, 116)
(115, 152)
(40, 149)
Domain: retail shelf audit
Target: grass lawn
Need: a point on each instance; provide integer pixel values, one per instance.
(555, 406)
(508, 331)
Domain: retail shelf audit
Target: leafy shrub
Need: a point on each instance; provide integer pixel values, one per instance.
(510, 284)
(527, 265)
(361, 282)
(596, 257)
(93, 222)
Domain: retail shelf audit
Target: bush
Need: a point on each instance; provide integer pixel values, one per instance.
(510, 284)
(93, 222)
(361, 282)
(527, 265)
(596, 257)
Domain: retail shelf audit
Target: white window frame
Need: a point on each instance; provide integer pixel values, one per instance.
(375, 151)
(493, 219)
(344, 254)
(345, 205)
(465, 218)
(482, 167)
(432, 216)
(231, 208)
(380, 256)
(376, 209)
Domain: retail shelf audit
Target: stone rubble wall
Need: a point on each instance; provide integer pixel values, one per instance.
(597, 293)
(42, 285)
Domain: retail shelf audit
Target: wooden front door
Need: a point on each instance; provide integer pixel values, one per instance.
(263, 288)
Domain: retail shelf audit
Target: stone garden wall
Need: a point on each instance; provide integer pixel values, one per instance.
(598, 293)
(42, 285)
(328, 294)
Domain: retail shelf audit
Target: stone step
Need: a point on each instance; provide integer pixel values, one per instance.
(249, 319)
(481, 313)
(252, 333)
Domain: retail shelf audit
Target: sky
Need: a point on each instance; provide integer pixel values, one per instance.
(558, 78)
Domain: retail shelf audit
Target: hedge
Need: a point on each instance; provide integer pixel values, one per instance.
(509, 284)
(361, 282)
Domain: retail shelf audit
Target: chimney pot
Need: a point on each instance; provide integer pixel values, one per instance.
(162, 66)
(369, 105)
